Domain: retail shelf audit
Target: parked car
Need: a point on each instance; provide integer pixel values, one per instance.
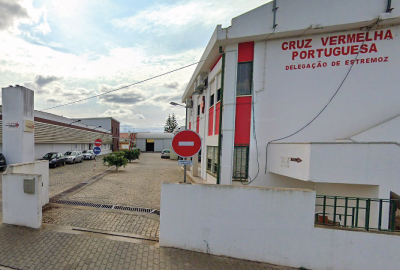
(54, 158)
(165, 153)
(73, 157)
(3, 162)
(88, 154)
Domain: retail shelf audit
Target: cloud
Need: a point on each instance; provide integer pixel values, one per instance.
(41, 81)
(168, 97)
(122, 113)
(122, 97)
(173, 85)
(10, 11)
(52, 100)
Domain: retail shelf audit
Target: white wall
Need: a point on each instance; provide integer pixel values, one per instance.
(266, 224)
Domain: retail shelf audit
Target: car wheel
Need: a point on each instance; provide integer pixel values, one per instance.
(81, 160)
(55, 165)
(63, 163)
(74, 161)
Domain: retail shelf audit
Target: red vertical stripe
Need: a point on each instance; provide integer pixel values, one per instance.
(190, 125)
(198, 124)
(211, 121)
(217, 118)
(246, 52)
(243, 120)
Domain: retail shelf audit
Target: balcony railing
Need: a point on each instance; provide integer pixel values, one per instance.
(360, 213)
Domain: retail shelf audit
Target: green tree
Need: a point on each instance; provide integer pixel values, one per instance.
(131, 154)
(170, 124)
(116, 159)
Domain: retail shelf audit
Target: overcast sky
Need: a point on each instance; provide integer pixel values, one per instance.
(67, 50)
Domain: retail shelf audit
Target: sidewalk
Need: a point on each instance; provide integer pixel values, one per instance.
(53, 248)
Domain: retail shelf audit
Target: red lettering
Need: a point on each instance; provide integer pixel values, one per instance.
(374, 60)
(354, 49)
(336, 51)
(386, 59)
(292, 45)
(347, 62)
(342, 39)
(319, 52)
(310, 54)
(308, 43)
(347, 51)
(295, 54)
(324, 42)
(351, 38)
(368, 60)
(388, 35)
(367, 38)
(298, 44)
(326, 52)
(333, 40)
(284, 46)
(360, 37)
(362, 61)
(303, 54)
(373, 48)
(378, 35)
(364, 48)
(287, 67)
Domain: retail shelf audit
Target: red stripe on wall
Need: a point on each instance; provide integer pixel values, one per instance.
(217, 118)
(198, 124)
(216, 62)
(211, 121)
(190, 125)
(243, 120)
(246, 52)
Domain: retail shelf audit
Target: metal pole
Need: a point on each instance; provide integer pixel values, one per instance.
(184, 173)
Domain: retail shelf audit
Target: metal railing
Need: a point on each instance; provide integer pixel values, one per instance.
(360, 213)
(241, 162)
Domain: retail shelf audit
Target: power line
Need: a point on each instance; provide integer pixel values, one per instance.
(139, 82)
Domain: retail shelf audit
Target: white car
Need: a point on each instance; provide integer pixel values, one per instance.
(72, 157)
(88, 154)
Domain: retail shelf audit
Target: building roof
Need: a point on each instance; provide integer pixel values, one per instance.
(154, 135)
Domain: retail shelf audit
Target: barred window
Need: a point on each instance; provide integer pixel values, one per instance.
(241, 162)
(212, 160)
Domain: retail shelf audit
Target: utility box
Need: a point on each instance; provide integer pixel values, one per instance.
(29, 185)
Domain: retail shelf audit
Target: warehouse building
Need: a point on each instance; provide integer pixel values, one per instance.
(153, 142)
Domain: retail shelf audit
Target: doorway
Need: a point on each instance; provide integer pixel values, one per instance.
(150, 145)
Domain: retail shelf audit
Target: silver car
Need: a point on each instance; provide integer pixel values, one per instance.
(72, 157)
(88, 154)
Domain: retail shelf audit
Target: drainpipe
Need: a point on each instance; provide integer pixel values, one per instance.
(389, 6)
(220, 116)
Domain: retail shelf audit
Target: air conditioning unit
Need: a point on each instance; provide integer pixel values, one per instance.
(189, 103)
(200, 84)
(201, 81)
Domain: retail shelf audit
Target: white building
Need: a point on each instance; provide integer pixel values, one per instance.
(153, 142)
(307, 97)
(54, 133)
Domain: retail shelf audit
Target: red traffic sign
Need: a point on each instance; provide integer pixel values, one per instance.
(98, 142)
(186, 143)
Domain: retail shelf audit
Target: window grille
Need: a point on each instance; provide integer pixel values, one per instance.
(241, 162)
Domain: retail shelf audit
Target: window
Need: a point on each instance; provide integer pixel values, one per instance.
(198, 110)
(203, 103)
(212, 100)
(244, 79)
(218, 94)
(241, 162)
(212, 160)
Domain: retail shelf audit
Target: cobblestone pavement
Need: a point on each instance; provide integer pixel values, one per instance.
(137, 185)
(105, 220)
(64, 177)
(24, 248)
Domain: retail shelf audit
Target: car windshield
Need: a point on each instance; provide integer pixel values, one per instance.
(89, 152)
(50, 155)
(84, 151)
(68, 154)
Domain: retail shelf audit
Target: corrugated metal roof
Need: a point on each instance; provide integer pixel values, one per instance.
(155, 136)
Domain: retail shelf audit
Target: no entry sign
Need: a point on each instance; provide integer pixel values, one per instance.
(98, 142)
(186, 143)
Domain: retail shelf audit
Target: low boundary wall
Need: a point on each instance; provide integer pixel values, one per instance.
(273, 225)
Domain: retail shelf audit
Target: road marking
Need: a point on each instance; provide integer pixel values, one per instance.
(185, 143)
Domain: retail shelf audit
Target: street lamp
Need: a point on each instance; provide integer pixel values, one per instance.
(186, 107)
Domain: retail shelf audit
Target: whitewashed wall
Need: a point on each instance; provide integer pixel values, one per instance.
(269, 225)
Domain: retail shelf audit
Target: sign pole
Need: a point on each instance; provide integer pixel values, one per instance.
(184, 173)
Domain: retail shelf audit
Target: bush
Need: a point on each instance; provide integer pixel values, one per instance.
(131, 154)
(115, 159)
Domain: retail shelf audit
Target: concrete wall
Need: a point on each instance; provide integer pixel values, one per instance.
(269, 225)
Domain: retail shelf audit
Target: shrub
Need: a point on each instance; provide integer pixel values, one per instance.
(132, 154)
(116, 159)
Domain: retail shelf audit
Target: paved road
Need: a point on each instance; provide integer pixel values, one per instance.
(78, 237)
